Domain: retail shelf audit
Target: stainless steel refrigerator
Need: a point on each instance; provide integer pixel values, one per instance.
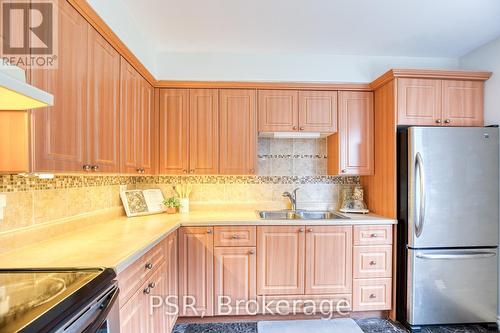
(448, 225)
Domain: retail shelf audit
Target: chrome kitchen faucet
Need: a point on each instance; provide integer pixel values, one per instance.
(292, 197)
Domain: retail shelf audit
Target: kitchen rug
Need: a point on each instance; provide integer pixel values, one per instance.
(341, 325)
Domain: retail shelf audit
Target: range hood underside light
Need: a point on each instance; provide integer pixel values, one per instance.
(293, 135)
(16, 94)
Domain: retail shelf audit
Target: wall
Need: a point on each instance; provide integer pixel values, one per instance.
(286, 67)
(487, 58)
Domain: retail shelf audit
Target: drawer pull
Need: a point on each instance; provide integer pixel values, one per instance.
(301, 230)
(251, 252)
(236, 236)
(310, 230)
(151, 285)
(209, 231)
(372, 296)
(147, 290)
(373, 263)
(149, 265)
(373, 236)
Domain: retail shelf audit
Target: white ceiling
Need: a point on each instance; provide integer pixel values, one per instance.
(412, 28)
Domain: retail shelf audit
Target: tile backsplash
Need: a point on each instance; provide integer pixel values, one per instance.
(297, 157)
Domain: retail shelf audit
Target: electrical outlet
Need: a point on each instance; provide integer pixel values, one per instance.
(123, 188)
(3, 204)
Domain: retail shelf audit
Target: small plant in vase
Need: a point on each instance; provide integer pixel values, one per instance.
(171, 204)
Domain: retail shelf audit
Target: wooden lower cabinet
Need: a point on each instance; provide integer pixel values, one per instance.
(234, 276)
(146, 282)
(328, 260)
(280, 260)
(196, 264)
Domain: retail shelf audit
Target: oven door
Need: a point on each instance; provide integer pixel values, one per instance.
(100, 315)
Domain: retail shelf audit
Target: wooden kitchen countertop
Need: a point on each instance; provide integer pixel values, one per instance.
(118, 242)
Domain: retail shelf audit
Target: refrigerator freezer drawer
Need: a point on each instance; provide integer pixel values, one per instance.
(452, 286)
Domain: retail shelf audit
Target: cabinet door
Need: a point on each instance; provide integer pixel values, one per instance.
(354, 140)
(463, 103)
(14, 134)
(174, 131)
(280, 260)
(204, 131)
(235, 278)
(278, 110)
(238, 132)
(134, 315)
(129, 118)
(157, 284)
(196, 263)
(146, 110)
(318, 111)
(104, 104)
(59, 139)
(419, 102)
(172, 277)
(328, 260)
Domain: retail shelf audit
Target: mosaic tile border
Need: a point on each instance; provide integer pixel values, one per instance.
(317, 156)
(17, 183)
(166, 179)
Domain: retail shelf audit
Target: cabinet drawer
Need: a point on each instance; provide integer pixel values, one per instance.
(235, 236)
(373, 261)
(372, 235)
(371, 294)
(137, 273)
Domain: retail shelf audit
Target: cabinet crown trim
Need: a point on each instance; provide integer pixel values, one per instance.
(429, 74)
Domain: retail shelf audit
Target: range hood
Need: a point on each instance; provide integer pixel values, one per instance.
(16, 94)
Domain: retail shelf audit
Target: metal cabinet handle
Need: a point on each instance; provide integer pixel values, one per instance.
(343, 170)
(86, 167)
(373, 236)
(95, 168)
(372, 263)
(373, 296)
(184, 171)
(294, 128)
(138, 170)
(438, 121)
(251, 252)
(252, 170)
(419, 223)
(191, 171)
(149, 265)
(236, 236)
(447, 121)
(301, 230)
(151, 285)
(209, 231)
(147, 290)
(310, 230)
(301, 128)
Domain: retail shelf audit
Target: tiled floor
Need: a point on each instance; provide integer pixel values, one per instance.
(367, 325)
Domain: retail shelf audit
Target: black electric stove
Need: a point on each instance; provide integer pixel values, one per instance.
(56, 300)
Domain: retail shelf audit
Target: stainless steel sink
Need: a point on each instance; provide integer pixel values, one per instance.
(299, 215)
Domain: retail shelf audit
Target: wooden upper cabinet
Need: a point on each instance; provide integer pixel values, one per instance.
(146, 127)
(318, 111)
(238, 131)
(280, 260)
(351, 150)
(14, 142)
(129, 117)
(58, 132)
(328, 260)
(234, 277)
(419, 101)
(463, 103)
(278, 110)
(203, 131)
(104, 104)
(174, 131)
(196, 264)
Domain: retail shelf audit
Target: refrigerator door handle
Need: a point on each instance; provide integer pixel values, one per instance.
(419, 223)
(456, 255)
